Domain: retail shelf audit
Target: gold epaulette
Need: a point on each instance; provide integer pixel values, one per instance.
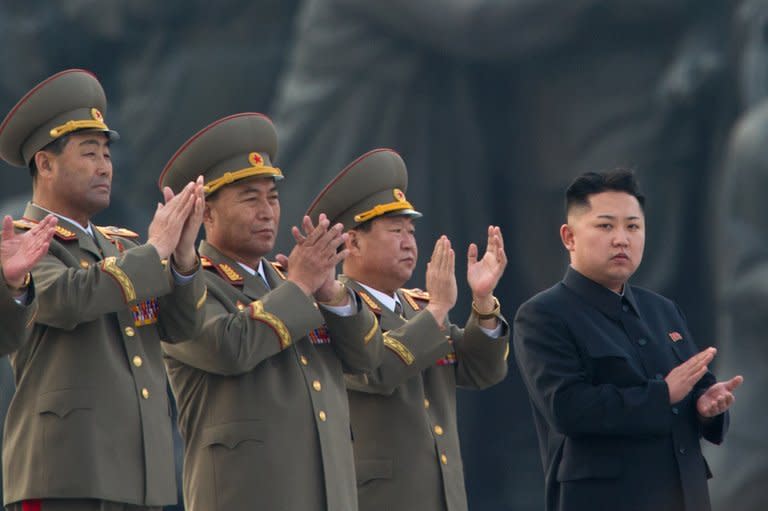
(279, 269)
(110, 230)
(229, 274)
(206, 262)
(23, 223)
(370, 302)
(411, 295)
(61, 232)
(417, 294)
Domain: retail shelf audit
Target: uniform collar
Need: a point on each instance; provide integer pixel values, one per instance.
(253, 272)
(88, 230)
(383, 298)
(239, 274)
(608, 302)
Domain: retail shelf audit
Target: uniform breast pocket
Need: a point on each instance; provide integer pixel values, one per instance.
(373, 469)
(73, 433)
(237, 470)
(232, 434)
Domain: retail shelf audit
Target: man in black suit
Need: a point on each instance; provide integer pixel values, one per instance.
(621, 394)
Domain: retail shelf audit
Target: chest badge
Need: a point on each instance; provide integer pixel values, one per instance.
(675, 336)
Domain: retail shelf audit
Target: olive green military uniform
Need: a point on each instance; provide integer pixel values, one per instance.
(403, 415)
(90, 419)
(15, 318)
(262, 403)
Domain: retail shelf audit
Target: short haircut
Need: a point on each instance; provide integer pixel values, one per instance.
(365, 226)
(592, 183)
(56, 147)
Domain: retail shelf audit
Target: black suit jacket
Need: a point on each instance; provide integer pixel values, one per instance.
(594, 364)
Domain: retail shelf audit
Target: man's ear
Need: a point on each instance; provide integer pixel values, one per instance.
(207, 213)
(566, 235)
(353, 242)
(43, 162)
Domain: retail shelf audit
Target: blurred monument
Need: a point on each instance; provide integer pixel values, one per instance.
(741, 465)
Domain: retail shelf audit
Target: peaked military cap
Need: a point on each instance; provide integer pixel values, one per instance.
(371, 186)
(69, 101)
(233, 148)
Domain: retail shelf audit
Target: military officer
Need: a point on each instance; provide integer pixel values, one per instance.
(18, 255)
(262, 404)
(403, 414)
(89, 426)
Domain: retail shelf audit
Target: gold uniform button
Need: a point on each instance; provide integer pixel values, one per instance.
(137, 361)
(426, 403)
(443, 459)
(84, 263)
(438, 430)
(317, 385)
(240, 306)
(145, 393)
(304, 360)
(129, 331)
(322, 416)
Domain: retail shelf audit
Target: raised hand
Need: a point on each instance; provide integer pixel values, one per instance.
(718, 398)
(682, 378)
(168, 223)
(484, 275)
(184, 256)
(441, 280)
(20, 252)
(315, 254)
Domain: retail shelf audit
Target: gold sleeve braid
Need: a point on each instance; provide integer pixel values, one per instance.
(110, 267)
(400, 350)
(201, 301)
(372, 331)
(259, 314)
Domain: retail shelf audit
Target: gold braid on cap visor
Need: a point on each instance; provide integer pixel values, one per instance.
(231, 177)
(70, 126)
(380, 209)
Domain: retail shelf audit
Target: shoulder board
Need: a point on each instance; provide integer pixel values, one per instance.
(229, 274)
(416, 294)
(370, 302)
(61, 232)
(279, 269)
(205, 262)
(24, 223)
(411, 302)
(111, 230)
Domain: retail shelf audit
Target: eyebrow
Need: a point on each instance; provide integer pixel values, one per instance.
(92, 141)
(612, 217)
(252, 189)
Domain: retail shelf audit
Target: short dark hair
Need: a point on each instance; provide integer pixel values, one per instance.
(56, 147)
(591, 183)
(364, 227)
